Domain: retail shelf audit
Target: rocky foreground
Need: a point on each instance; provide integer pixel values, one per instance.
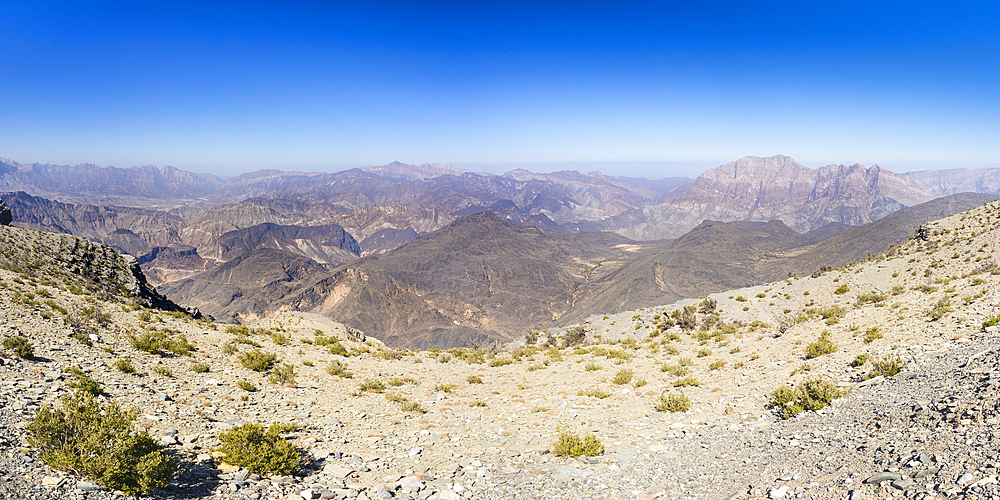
(471, 423)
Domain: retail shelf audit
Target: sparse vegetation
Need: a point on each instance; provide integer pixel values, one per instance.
(260, 450)
(673, 403)
(822, 346)
(568, 444)
(872, 334)
(200, 367)
(124, 365)
(812, 394)
(100, 442)
(474, 379)
(257, 360)
(888, 366)
(686, 382)
(283, 375)
(338, 368)
(594, 393)
(940, 308)
(20, 345)
(622, 377)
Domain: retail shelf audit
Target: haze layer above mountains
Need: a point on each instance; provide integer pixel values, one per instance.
(407, 253)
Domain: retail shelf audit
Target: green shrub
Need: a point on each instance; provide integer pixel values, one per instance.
(991, 321)
(283, 375)
(568, 444)
(674, 370)
(372, 386)
(842, 289)
(887, 366)
(83, 383)
(594, 393)
(412, 406)
(444, 387)
(474, 379)
(246, 385)
(860, 359)
(821, 346)
(257, 360)
(260, 450)
(124, 365)
(157, 342)
(337, 349)
(163, 371)
(100, 443)
(622, 377)
(812, 394)
(477, 404)
(872, 334)
(501, 362)
(687, 382)
(673, 403)
(640, 383)
(20, 345)
(200, 367)
(338, 368)
(871, 298)
(716, 364)
(940, 308)
(702, 353)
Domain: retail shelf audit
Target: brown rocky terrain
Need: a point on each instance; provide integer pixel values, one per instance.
(468, 423)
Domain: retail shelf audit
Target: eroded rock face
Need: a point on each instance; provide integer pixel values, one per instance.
(6, 217)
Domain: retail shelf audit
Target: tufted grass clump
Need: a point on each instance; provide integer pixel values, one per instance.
(159, 343)
(283, 375)
(474, 379)
(260, 450)
(991, 321)
(200, 367)
(568, 444)
(83, 383)
(822, 346)
(338, 368)
(674, 370)
(20, 345)
(246, 385)
(623, 377)
(372, 386)
(100, 443)
(888, 366)
(124, 365)
(872, 334)
(594, 393)
(673, 403)
(686, 382)
(257, 360)
(812, 394)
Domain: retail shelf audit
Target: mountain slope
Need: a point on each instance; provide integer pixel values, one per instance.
(717, 256)
(478, 279)
(775, 188)
(244, 288)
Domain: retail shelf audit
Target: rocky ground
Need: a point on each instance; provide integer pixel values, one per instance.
(482, 422)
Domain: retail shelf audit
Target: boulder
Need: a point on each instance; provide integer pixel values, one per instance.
(6, 217)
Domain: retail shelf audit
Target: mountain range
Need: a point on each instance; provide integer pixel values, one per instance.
(434, 255)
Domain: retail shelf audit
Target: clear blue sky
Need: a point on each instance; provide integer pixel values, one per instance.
(665, 88)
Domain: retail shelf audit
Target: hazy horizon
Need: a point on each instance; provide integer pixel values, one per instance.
(654, 88)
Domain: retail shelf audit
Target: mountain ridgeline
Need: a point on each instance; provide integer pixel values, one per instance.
(434, 255)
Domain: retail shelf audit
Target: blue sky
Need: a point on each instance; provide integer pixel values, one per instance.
(636, 88)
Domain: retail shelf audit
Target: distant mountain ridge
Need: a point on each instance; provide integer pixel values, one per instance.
(775, 188)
